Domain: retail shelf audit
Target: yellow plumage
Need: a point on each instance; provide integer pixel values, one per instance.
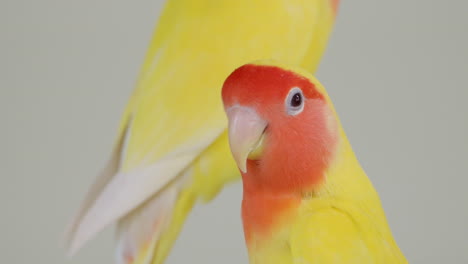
(341, 222)
(172, 147)
(345, 222)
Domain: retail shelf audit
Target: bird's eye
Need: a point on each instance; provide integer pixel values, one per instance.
(294, 101)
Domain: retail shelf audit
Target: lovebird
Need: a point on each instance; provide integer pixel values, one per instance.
(306, 198)
(172, 147)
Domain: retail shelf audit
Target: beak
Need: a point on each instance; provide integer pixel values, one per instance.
(245, 134)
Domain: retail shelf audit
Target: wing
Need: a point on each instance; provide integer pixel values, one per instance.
(173, 116)
(127, 189)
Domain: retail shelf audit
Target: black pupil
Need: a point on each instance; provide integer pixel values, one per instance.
(296, 100)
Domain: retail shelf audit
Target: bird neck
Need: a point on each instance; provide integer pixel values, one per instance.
(265, 210)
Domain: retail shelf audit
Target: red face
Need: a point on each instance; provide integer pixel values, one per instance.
(287, 124)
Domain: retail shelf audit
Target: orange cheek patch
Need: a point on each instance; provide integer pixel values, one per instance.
(297, 151)
(262, 213)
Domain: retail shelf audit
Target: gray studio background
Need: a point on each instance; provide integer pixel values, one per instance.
(396, 71)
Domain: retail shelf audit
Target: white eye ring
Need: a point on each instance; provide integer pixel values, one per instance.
(294, 101)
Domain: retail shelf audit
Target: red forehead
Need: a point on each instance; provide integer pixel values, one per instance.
(259, 84)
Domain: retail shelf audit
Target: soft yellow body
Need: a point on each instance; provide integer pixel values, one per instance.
(339, 221)
(176, 110)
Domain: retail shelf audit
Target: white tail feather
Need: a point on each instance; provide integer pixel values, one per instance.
(140, 229)
(128, 190)
(115, 194)
(102, 180)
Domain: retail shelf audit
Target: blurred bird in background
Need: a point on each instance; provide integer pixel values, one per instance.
(172, 146)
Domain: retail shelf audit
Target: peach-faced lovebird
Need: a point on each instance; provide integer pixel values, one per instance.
(306, 199)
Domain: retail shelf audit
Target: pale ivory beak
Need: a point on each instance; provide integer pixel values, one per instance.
(245, 134)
